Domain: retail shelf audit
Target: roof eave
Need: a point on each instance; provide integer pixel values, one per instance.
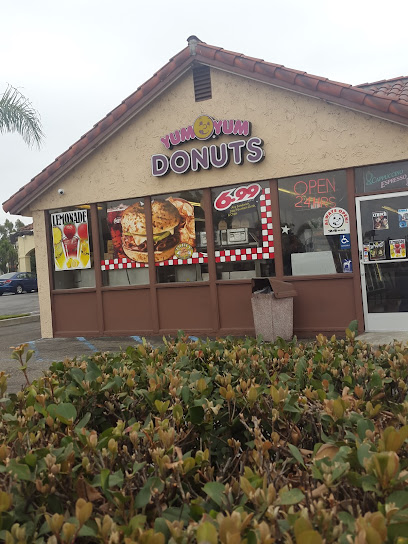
(16, 206)
(275, 75)
(316, 94)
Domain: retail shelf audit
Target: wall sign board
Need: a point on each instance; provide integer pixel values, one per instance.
(381, 177)
(217, 156)
(70, 240)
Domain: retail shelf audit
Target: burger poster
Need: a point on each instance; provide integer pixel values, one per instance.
(70, 240)
(173, 226)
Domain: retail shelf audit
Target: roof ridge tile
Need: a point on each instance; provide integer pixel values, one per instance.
(381, 81)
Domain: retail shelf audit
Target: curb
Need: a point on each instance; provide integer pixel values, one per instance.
(18, 320)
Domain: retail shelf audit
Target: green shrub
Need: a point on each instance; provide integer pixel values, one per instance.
(219, 441)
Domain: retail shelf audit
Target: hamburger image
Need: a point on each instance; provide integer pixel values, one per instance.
(166, 222)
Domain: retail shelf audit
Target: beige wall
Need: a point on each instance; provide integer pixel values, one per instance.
(44, 295)
(300, 134)
(25, 244)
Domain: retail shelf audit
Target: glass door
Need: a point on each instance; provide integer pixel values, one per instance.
(382, 225)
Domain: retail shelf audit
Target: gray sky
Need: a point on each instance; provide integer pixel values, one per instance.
(77, 60)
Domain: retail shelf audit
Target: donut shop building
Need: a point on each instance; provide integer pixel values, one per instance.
(219, 169)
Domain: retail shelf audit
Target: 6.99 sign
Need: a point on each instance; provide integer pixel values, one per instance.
(239, 194)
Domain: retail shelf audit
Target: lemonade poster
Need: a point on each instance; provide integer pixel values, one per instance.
(71, 240)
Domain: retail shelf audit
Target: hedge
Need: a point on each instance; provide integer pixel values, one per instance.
(226, 440)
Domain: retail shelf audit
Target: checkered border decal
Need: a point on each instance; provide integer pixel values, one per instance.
(195, 258)
(119, 264)
(223, 256)
(253, 253)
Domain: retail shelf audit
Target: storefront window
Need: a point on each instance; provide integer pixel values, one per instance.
(72, 251)
(179, 237)
(123, 242)
(243, 231)
(381, 177)
(245, 270)
(315, 224)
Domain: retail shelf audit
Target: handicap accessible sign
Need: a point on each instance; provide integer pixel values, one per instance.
(345, 241)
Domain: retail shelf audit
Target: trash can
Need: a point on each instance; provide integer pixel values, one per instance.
(272, 308)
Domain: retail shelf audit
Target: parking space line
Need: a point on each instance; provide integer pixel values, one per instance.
(87, 343)
(32, 345)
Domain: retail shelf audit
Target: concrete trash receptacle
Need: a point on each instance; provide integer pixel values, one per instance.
(272, 308)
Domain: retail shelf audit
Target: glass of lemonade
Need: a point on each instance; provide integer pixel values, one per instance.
(71, 247)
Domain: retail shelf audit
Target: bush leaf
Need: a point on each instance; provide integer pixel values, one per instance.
(294, 496)
(215, 490)
(66, 412)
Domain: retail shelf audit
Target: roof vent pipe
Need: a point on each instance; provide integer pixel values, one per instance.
(192, 42)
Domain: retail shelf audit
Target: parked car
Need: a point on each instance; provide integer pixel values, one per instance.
(17, 282)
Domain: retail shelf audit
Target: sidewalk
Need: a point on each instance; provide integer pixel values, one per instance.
(381, 338)
(47, 350)
(17, 320)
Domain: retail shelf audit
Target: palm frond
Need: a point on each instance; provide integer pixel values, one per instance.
(18, 115)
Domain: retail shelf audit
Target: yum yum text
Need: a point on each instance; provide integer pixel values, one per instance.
(228, 127)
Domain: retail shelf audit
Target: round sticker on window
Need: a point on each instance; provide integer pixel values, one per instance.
(183, 251)
(336, 221)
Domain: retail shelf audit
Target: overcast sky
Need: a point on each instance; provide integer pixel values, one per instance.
(77, 60)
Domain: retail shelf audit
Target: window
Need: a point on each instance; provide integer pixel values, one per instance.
(381, 177)
(72, 248)
(310, 246)
(179, 237)
(243, 231)
(123, 242)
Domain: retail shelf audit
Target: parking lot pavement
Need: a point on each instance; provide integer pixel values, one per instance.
(27, 303)
(47, 350)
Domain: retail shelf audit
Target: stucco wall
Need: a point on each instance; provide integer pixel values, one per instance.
(44, 295)
(25, 244)
(300, 134)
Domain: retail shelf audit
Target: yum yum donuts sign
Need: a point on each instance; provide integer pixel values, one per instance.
(204, 128)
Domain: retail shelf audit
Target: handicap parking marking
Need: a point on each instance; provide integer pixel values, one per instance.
(193, 338)
(87, 343)
(32, 346)
(137, 339)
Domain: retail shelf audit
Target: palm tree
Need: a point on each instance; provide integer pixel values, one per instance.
(18, 115)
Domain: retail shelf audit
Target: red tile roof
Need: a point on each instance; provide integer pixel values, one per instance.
(389, 106)
(396, 88)
(26, 228)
